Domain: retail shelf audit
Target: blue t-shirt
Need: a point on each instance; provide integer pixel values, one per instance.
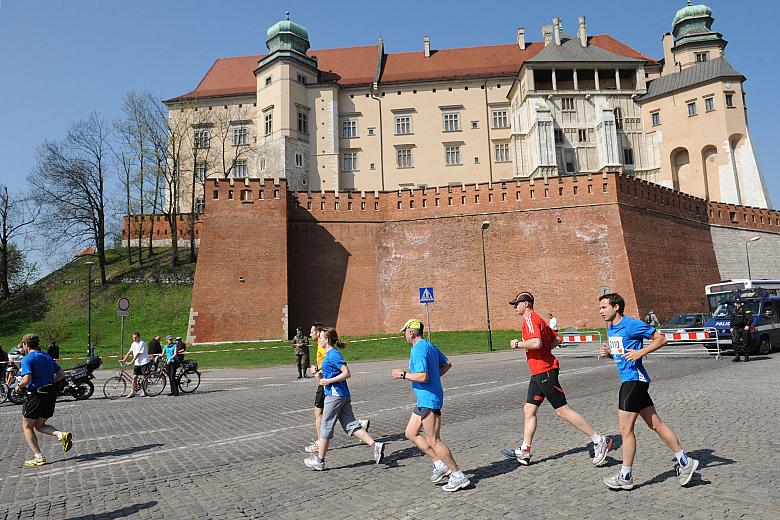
(425, 357)
(42, 368)
(331, 367)
(628, 335)
(170, 351)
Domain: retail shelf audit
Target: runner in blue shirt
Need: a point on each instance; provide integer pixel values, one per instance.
(426, 366)
(626, 347)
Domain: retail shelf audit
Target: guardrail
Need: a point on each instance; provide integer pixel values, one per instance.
(695, 336)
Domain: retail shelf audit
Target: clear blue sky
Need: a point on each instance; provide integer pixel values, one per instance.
(61, 60)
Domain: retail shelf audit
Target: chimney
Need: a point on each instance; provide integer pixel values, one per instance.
(668, 44)
(557, 30)
(547, 31)
(521, 38)
(582, 32)
(427, 46)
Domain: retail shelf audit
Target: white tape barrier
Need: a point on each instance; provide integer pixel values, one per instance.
(705, 337)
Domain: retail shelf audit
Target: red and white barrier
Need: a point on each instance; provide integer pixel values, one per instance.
(580, 338)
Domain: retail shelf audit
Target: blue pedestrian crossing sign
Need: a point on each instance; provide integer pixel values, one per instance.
(426, 294)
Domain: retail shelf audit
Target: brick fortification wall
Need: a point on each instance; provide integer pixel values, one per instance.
(356, 260)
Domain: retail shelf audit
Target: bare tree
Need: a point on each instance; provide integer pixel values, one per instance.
(70, 184)
(16, 215)
(234, 143)
(199, 144)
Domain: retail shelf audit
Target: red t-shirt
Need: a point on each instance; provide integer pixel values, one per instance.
(539, 360)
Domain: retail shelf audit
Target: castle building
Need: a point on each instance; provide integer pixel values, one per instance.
(361, 119)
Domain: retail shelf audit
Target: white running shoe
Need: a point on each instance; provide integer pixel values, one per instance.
(600, 451)
(439, 474)
(455, 483)
(365, 423)
(314, 447)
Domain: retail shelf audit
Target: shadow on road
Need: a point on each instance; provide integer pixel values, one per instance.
(123, 512)
(706, 458)
(117, 453)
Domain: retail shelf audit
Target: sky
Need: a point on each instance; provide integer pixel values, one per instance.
(62, 60)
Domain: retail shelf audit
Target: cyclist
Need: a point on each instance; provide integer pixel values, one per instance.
(140, 361)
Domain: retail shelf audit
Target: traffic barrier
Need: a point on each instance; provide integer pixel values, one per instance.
(707, 337)
(581, 336)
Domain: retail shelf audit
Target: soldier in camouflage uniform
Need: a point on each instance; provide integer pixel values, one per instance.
(301, 345)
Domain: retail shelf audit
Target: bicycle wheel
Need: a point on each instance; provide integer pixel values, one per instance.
(189, 381)
(3, 392)
(154, 383)
(115, 387)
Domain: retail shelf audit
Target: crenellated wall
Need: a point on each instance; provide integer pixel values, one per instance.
(356, 260)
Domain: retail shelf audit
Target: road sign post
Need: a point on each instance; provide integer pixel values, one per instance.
(426, 297)
(123, 311)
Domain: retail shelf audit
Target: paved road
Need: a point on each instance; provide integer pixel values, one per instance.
(234, 449)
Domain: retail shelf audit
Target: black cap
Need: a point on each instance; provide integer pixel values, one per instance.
(522, 297)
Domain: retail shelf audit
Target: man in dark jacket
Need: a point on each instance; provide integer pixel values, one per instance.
(741, 319)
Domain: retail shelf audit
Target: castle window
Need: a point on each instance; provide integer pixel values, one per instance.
(298, 159)
(262, 164)
(240, 135)
(200, 138)
(474, 125)
(201, 172)
(370, 131)
(303, 122)
(239, 168)
(452, 155)
(200, 204)
(246, 195)
(558, 136)
(403, 125)
(451, 122)
(301, 79)
(348, 129)
(691, 108)
(350, 161)
(403, 157)
(709, 104)
(570, 161)
(655, 117)
(582, 135)
(567, 103)
(502, 152)
(701, 57)
(729, 100)
(267, 81)
(628, 156)
(269, 122)
(618, 119)
(500, 119)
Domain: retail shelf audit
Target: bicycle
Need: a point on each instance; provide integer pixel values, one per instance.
(3, 392)
(188, 377)
(155, 379)
(111, 388)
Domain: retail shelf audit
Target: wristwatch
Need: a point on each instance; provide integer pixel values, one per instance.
(403, 374)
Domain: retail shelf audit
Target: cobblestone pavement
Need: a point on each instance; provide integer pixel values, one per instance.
(234, 449)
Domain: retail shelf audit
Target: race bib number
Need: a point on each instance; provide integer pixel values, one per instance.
(616, 345)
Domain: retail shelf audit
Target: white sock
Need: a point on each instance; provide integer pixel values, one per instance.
(457, 474)
(681, 458)
(597, 438)
(59, 435)
(37, 455)
(525, 447)
(625, 471)
(439, 465)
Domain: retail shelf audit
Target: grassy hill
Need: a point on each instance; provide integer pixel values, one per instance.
(55, 307)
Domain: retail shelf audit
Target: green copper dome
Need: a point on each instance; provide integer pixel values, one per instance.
(693, 22)
(692, 11)
(287, 35)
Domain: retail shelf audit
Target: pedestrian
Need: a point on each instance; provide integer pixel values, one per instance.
(333, 377)
(140, 361)
(171, 364)
(625, 336)
(301, 345)
(53, 351)
(741, 319)
(181, 348)
(154, 347)
(538, 341)
(651, 319)
(427, 365)
(317, 329)
(40, 373)
(553, 322)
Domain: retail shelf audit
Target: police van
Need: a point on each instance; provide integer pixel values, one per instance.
(764, 307)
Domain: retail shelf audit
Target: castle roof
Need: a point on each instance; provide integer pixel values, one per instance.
(356, 66)
(698, 74)
(600, 49)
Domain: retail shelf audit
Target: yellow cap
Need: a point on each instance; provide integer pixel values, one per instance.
(412, 323)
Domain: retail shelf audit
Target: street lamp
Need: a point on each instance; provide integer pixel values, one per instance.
(485, 225)
(747, 254)
(90, 347)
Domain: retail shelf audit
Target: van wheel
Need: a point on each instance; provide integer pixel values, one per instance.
(764, 347)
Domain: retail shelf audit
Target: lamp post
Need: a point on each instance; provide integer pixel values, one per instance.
(485, 225)
(90, 348)
(747, 254)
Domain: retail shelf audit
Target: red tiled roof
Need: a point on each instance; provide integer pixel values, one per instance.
(357, 65)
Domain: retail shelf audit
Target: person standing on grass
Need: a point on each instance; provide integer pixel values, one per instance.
(427, 364)
(140, 361)
(538, 341)
(40, 373)
(301, 345)
(626, 348)
(333, 375)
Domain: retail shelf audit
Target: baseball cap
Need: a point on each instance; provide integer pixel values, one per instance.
(29, 338)
(522, 297)
(178, 337)
(412, 323)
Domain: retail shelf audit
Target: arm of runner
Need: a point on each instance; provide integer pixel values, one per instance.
(445, 368)
(604, 351)
(659, 340)
(345, 374)
(531, 344)
(24, 382)
(59, 376)
(417, 377)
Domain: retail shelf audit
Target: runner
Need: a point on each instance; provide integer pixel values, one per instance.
(39, 375)
(319, 396)
(625, 337)
(426, 366)
(333, 375)
(539, 340)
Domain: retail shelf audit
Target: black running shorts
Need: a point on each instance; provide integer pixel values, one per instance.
(546, 385)
(634, 396)
(39, 406)
(140, 370)
(319, 397)
(423, 412)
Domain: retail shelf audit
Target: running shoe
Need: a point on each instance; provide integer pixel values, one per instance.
(66, 441)
(379, 451)
(365, 423)
(600, 451)
(523, 457)
(439, 474)
(685, 473)
(456, 483)
(130, 395)
(40, 460)
(617, 481)
(315, 463)
(314, 447)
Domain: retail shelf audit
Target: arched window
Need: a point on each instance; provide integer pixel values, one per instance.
(618, 119)
(199, 205)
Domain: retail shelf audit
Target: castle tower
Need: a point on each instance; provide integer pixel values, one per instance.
(696, 113)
